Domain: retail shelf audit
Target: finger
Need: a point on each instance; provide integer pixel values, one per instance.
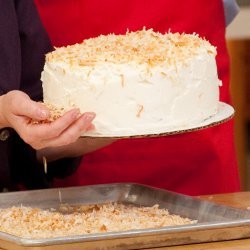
(83, 124)
(73, 132)
(37, 134)
(24, 106)
(91, 127)
(55, 128)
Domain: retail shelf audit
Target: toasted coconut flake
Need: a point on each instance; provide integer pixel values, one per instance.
(36, 223)
(60, 196)
(45, 165)
(55, 113)
(139, 111)
(122, 80)
(143, 47)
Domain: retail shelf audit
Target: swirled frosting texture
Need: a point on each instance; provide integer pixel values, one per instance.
(139, 83)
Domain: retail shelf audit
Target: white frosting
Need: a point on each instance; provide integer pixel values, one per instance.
(129, 99)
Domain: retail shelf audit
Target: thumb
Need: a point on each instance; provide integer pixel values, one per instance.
(34, 110)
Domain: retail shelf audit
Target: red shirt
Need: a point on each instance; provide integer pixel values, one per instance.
(195, 163)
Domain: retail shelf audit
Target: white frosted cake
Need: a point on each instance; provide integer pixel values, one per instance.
(139, 83)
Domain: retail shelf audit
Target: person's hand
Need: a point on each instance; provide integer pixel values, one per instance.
(17, 109)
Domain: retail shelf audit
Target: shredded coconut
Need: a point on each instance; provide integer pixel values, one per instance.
(30, 222)
(143, 47)
(55, 113)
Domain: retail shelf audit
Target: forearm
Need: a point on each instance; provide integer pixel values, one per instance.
(81, 147)
(3, 122)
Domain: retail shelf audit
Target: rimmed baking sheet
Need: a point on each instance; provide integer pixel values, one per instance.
(225, 113)
(215, 222)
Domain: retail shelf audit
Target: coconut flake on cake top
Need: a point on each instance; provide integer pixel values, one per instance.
(142, 47)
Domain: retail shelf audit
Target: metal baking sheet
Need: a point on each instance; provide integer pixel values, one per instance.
(215, 222)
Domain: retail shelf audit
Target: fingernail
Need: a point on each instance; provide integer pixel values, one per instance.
(43, 114)
(76, 114)
(89, 117)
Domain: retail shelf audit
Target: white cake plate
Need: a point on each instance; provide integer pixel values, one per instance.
(225, 113)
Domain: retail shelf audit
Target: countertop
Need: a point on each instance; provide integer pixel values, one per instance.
(240, 200)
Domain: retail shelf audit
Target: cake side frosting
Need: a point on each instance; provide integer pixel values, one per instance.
(139, 83)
